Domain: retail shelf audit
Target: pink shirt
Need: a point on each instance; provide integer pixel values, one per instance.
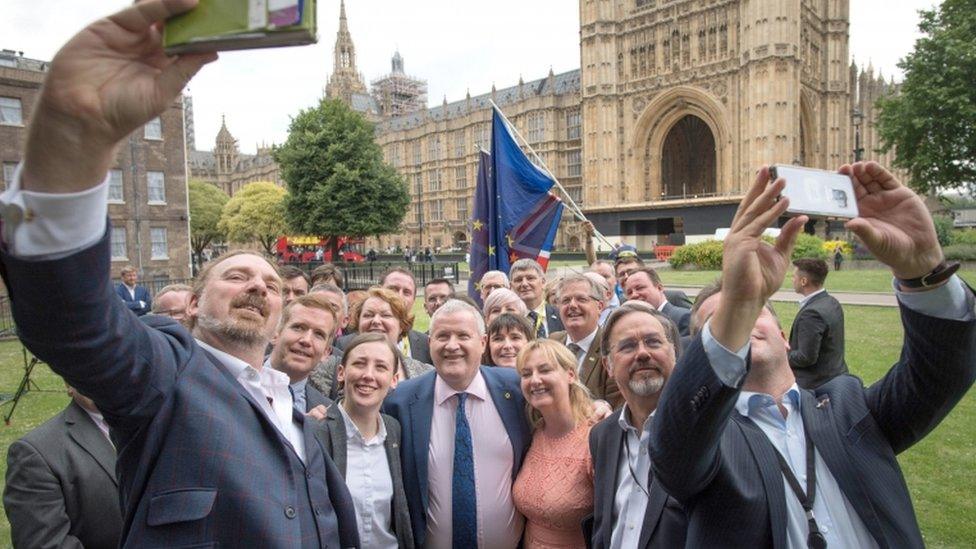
(499, 524)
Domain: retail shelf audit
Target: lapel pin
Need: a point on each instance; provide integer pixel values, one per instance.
(508, 395)
(823, 402)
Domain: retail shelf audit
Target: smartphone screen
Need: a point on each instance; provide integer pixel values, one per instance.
(817, 192)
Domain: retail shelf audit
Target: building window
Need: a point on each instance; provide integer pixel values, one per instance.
(460, 177)
(11, 112)
(435, 180)
(459, 144)
(418, 212)
(153, 129)
(395, 155)
(575, 193)
(416, 153)
(484, 136)
(157, 187)
(115, 194)
(573, 164)
(536, 127)
(436, 210)
(8, 172)
(119, 244)
(462, 209)
(418, 185)
(573, 124)
(157, 236)
(433, 148)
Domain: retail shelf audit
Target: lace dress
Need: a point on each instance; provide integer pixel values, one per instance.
(554, 489)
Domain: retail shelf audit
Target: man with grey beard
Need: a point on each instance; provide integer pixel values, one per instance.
(640, 347)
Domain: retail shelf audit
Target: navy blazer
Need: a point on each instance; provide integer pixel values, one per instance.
(553, 322)
(724, 470)
(665, 522)
(199, 461)
(412, 404)
(142, 295)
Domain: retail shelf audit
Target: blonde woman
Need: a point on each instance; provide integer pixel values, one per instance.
(554, 488)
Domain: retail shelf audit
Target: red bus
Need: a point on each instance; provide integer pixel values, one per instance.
(303, 249)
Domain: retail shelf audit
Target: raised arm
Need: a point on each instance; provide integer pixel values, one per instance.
(104, 83)
(937, 365)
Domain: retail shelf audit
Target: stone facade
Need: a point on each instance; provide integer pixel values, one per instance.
(148, 193)
(228, 168)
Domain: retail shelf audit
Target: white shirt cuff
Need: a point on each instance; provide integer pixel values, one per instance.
(729, 366)
(950, 301)
(52, 225)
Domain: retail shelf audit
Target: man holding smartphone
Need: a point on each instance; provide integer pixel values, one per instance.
(211, 451)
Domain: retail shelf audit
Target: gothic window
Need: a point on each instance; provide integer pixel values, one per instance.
(675, 47)
(643, 3)
(633, 63)
(573, 164)
(460, 177)
(652, 58)
(416, 152)
(620, 65)
(701, 45)
(711, 42)
(724, 41)
(686, 49)
(573, 124)
(462, 208)
(643, 62)
(666, 46)
(459, 144)
(344, 62)
(536, 127)
(436, 210)
(433, 148)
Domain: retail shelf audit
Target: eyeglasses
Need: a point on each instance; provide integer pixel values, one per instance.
(628, 347)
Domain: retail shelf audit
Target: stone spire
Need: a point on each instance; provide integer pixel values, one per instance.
(345, 79)
(225, 149)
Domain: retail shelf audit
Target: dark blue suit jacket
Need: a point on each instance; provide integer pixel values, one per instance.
(142, 295)
(724, 470)
(412, 404)
(199, 462)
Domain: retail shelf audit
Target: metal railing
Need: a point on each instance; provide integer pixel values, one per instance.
(359, 276)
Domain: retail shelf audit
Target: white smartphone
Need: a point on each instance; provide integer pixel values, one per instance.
(817, 192)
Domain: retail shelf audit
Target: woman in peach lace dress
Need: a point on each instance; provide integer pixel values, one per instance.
(554, 489)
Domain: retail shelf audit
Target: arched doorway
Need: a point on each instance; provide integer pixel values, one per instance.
(460, 240)
(688, 160)
(574, 243)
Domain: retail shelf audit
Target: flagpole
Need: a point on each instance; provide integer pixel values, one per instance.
(575, 208)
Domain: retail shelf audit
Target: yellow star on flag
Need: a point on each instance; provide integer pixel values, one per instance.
(477, 225)
(491, 250)
(477, 286)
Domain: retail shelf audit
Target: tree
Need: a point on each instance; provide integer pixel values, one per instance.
(338, 182)
(931, 121)
(206, 205)
(256, 212)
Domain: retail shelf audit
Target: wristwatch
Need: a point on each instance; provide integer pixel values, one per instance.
(939, 274)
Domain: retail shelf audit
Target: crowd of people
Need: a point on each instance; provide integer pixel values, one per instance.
(269, 408)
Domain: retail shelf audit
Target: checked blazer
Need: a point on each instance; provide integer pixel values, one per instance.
(199, 462)
(724, 470)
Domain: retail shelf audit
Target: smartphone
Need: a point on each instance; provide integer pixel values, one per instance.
(817, 192)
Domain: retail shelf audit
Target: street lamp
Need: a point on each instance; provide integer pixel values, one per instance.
(857, 117)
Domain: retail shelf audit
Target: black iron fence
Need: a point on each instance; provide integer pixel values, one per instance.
(359, 276)
(7, 327)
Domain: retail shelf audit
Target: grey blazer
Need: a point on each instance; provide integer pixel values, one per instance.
(817, 342)
(331, 433)
(61, 489)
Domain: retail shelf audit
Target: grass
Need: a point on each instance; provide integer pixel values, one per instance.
(938, 469)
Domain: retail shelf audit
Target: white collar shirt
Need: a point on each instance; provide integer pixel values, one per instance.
(806, 299)
(633, 474)
(584, 345)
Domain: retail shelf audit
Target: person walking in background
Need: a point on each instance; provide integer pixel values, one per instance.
(838, 258)
(817, 335)
(554, 488)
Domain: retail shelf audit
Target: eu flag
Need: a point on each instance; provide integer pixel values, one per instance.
(527, 215)
(483, 245)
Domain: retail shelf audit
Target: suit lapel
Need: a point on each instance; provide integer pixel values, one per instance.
(655, 507)
(591, 362)
(611, 461)
(421, 412)
(313, 459)
(772, 477)
(512, 418)
(337, 437)
(85, 433)
(818, 421)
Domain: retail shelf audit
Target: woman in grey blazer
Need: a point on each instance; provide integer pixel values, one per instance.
(365, 444)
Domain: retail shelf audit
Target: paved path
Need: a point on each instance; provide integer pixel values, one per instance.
(845, 298)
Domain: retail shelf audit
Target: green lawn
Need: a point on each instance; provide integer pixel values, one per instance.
(875, 280)
(938, 470)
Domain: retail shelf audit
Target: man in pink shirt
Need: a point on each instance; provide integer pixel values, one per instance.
(465, 457)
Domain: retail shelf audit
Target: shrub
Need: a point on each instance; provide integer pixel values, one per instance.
(705, 255)
(810, 246)
(964, 236)
(943, 229)
(960, 252)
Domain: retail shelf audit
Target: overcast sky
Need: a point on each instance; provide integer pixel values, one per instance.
(455, 45)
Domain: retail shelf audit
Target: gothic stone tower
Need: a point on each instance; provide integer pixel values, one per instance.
(345, 79)
(683, 100)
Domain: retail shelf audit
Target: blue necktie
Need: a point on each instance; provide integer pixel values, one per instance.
(464, 520)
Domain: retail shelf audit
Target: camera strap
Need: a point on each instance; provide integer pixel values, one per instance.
(815, 539)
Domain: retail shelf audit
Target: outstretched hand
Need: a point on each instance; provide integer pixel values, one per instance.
(752, 269)
(893, 223)
(107, 81)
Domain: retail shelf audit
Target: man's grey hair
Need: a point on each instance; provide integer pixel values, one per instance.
(596, 291)
(525, 264)
(456, 306)
(634, 306)
(330, 288)
(168, 289)
(504, 295)
(600, 281)
(497, 273)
